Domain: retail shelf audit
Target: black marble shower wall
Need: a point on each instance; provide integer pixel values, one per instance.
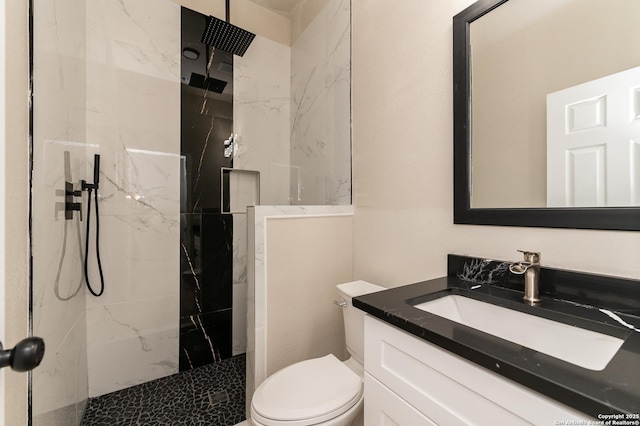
(205, 233)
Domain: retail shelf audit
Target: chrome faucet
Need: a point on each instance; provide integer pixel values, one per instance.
(530, 268)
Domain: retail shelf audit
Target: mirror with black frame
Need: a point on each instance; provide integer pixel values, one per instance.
(547, 114)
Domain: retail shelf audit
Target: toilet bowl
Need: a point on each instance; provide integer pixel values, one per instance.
(315, 391)
(319, 391)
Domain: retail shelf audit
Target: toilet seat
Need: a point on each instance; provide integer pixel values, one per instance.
(306, 393)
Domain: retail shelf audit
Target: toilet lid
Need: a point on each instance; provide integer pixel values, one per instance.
(319, 387)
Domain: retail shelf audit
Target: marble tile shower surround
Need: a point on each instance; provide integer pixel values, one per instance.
(301, 146)
(239, 280)
(119, 75)
(205, 234)
(58, 294)
(133, 115)
(60, 149)
(321, 109)
(206, 289)
(261, 105)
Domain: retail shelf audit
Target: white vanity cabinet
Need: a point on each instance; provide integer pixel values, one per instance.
(409, 381)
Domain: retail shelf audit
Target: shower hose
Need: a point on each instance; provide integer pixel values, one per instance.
(86, 248)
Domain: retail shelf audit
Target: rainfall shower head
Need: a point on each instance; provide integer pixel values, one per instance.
(224, 36)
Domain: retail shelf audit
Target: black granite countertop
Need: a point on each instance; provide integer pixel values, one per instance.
(613, 390)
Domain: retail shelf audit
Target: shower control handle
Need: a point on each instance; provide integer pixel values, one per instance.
(69, 204)
(71, 207)
(25, 356)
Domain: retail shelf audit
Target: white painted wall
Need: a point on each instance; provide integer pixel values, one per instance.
(308, 257)
(16, 218)
(2, 192)
(403, 159)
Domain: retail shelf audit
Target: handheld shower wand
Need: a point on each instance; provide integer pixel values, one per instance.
(96, 171)
(89, 187)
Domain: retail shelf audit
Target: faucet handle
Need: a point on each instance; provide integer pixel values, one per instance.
(531, 256)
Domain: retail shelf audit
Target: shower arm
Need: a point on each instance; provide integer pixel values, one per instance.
(227, 18)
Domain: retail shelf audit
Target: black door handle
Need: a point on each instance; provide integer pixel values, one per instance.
(25, 356)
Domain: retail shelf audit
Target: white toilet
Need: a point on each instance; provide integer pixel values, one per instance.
(319, 391)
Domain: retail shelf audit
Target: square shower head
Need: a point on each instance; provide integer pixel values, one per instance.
(225, 36)
(208, 83)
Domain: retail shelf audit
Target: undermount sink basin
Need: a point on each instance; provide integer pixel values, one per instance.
(584, 348)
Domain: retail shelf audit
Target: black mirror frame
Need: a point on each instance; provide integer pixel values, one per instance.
(608, 218)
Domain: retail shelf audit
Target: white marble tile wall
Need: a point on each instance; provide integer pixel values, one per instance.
(133, 115)
(321, 109)
(257, 282)
(261, 105)
(60, 151)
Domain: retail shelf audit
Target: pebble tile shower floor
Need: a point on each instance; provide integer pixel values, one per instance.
(209, 395)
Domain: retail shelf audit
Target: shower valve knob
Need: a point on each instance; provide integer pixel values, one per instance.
(70, 192)
(71, 207)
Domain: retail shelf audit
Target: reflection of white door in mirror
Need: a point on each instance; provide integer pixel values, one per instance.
(593, 143)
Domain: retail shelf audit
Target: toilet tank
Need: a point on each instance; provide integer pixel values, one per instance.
(354, 317)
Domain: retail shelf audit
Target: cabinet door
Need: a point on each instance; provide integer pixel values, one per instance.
(452, 390)
(384, 408)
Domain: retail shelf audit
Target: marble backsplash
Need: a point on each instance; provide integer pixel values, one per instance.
(618, 294)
